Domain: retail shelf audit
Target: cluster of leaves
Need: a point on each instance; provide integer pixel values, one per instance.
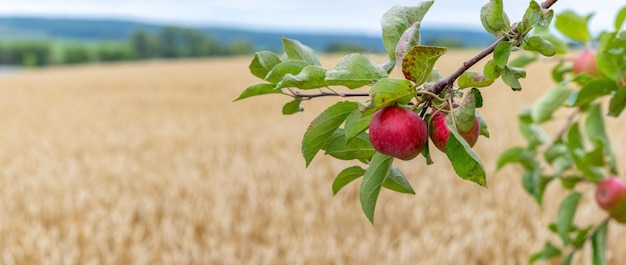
(581, 152)
(341, 130)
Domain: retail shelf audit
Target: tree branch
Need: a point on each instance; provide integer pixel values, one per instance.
(448, 81)
(327, 94)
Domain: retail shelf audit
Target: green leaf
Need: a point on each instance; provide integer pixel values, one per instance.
(355, 70)
(466, 112)
(426, 149)
(474, 79)
(618, 102)
(593, 90)
(590, 172)
(277, 73)
(598, 244)
(419, 62)
(292, 107)
(484, 130)
(397, 20)
(531, 17)
(575, 139)
(464, 160)
(517, 155)
(535, 184)
(263, 63)
(611, 55)
(372, 183)
(559, 71)
(595, 128)
(565, 216)
(346, 176)
(295, 50)
(533, 133)
(558, 149)
(559, 44)
(501, 54)
(619, 20)
(356, 123)
(396, 181)
(257, 90)
(524, 60)
(537, 43)
(510, 78)
(573, 26)
(387, 92)
(568, 259)
(312, 76)
(322, 128)
(545, 106)
(357, 149)
(549, 251)
(491, 69)
(494, 19)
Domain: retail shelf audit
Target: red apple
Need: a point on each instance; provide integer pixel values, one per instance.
(611, 196)
(398, 132)
(586, 63)
(439, 132)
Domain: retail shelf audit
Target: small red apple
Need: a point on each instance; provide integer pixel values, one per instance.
(611, 196)
(439, 132)
(398, 132)
(586, 63)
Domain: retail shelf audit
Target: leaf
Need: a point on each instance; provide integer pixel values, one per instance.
(419, 62)
(474, 79)
(523, 60)
(484, 130)
(510, 79)
(346, 176)
(611, 56)
(599, 245)
(545, 106)
(549, 251)
(618, 102)
(533, 133)
(573, 26)
(517, 155)
(387, 92)
(292, 107)
(531, 17)
(409, 39)
(466, 112)
(396, 181)
(322, 128)
(355, 124)
(559, 44)
(257, 90)
(535, 184)
(353, 71)
(312, 76)
(295, 50)
(537, 43)
(397, 20)
(565, 216)
(501, 54)
(464, 160)
(491, 69)
(619, 20)
(372, 183)
(280, 70)
(595, 128)
(559, 71)
(494, 19)
(593, 90)
(359, 148)
(262, 63)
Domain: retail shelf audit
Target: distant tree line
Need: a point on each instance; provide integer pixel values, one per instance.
(169, 42)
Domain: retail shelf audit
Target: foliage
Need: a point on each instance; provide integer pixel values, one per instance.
(580, 153)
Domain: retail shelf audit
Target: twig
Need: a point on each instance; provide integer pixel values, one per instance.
(448, 81)
(328, 94)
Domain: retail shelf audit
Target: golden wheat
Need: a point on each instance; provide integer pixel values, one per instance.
(152, 163)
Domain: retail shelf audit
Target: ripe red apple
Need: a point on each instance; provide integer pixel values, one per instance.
(611, 196)
(586, 63)
(439, 132)
(398, 132)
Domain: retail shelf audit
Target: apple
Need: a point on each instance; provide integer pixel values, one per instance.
(398, 132)
(611, 196)
(439, 132)
(586, 63)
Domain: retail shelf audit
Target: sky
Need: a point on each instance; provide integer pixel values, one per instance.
(340, 16)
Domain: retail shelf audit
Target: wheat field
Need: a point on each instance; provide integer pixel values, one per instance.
(152, 163)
